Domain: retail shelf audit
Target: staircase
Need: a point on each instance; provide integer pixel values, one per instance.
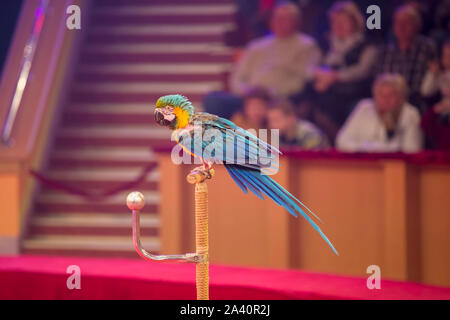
(134, 52)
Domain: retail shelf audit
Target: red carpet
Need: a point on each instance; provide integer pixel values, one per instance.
(40, 277)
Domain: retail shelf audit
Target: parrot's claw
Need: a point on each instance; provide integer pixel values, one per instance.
(200, 174)
(207, 171)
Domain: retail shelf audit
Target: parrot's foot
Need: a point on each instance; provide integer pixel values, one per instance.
(206, 170)
(200, 174)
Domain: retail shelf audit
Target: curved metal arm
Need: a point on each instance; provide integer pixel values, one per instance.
(135, 202)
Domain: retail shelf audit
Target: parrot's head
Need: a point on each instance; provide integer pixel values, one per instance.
(173, 111)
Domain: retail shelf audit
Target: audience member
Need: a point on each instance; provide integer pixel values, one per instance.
(441, 19)
(254, 113)
(386, 123)
(436, 120)
(346, 75)
(437, 80)
(294, 131)
(281, 62)
(410, 53)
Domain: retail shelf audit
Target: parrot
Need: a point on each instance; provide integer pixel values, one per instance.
(247, 165)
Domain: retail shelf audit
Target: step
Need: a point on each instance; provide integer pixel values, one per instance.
(121, 109)
(152, 72)
(147, 87)
(108, 157)
(167, 14)
(151, 9)
(126, 136)
(91, 77)
(168, 57)
(148, 18)
(184, 68)
(111, 131)
(51, 200)
(213, 48)
(88, 114)
(88, 243)
(139, 92)
(93, 219)
(102, 174)
(127, 97)
(109, 3)
(92, 224)
(87, 207)
(163, 29)
(154, 38)
(60, 197)
(107, 178)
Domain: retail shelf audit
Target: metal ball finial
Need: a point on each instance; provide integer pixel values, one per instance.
(135, 200)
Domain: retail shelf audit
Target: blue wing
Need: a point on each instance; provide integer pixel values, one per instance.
(246, 164)
(219, 140)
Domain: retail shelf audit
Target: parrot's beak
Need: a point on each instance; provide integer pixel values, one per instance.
(158, 116)
(164, 118)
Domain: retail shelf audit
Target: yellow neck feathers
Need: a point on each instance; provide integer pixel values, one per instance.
(182, 117)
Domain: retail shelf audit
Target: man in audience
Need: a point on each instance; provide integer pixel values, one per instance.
(386, 123)
(295, 132)
(281, 62)
(410, 53)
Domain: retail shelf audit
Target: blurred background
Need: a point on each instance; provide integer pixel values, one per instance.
(363, 116)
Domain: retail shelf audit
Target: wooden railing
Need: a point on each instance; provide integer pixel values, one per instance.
(388, 210)
(36, 112)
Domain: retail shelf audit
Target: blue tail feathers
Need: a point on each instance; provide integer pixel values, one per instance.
(260, 184)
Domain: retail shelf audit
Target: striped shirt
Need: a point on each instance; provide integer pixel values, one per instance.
(412, 64)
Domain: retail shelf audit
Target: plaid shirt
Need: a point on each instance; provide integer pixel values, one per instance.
(412, 64)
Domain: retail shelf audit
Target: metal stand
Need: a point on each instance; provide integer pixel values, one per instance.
(136, 201)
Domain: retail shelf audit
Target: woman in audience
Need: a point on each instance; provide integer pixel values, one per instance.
(436, 120)
(346, 74)
(437, 78)
(293, 131)
(386, 123)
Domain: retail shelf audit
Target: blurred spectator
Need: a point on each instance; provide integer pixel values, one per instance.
(386, 123)
(254, 113)
(410, 53)
(435, 122)
(222, 103)
(281, 62)
(346, 75)
(295, 132)
(441, 19)
(436, 79)
(436, 126)
(250, 21)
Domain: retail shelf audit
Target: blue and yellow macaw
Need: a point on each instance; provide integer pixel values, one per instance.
(247, 164)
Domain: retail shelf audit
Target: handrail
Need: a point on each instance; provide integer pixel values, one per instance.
(28, 55)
